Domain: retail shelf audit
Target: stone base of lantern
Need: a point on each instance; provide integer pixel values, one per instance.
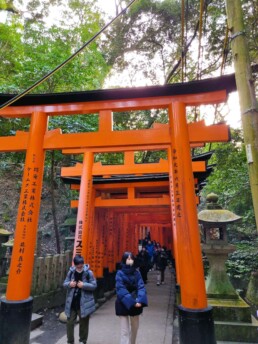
(233, 321)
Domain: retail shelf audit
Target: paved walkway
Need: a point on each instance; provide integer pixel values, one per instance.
(156, 323)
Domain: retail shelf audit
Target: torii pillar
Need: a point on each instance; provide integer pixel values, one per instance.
(84, 207)
(16, 309)
(195, 316)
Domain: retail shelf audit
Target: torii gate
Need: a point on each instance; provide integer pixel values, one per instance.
(176, 137)
(130, 199)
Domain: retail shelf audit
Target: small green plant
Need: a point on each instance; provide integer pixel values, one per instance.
(6, 217)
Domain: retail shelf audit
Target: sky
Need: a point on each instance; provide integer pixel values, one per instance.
(108, 6)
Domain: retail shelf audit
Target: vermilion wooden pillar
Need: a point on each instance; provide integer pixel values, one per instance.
(101, 230)
(195, 316)
(174, 226)
(119, 226)
(84, 207)
(110, 243)
(17, 308)
(92, 246)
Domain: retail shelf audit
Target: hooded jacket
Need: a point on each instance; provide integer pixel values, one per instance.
(87, 303)
(128, 279)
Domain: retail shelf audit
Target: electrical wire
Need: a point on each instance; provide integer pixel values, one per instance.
(19, 96)
(200, 38)
(182, 38)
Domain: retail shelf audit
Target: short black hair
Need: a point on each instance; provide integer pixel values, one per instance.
(126, 255)
(78, 259)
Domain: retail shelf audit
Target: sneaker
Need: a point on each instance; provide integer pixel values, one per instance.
(158, 284)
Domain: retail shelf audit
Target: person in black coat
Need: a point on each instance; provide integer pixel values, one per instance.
(161, 260)
(131, 298)
(143, 263)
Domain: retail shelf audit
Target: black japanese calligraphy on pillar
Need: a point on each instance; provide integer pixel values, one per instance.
(26, 212)
(175, 188)
(78, 244)
(110, 238)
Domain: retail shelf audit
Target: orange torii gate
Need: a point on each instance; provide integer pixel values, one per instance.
(107, 205)
(176, 135)
(129, 199)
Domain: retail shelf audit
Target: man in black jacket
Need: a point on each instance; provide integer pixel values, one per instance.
(161, 260)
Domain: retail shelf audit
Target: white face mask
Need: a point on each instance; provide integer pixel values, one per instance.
(129, 261)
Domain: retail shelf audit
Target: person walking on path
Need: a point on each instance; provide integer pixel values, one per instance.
(161, 260)
(143, 263)
(80, 284)
(131, 298)
(150, 249)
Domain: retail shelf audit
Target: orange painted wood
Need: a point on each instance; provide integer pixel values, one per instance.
(184, 213)
(99, 169)
(117, 230)
(127, 104)
(90, 247)
(123, 185)
(84, 208)
(16, 143)
(144, 137)
(199, 132)
(110, 241)
(108, 140)
(20, 276)
(127, 202)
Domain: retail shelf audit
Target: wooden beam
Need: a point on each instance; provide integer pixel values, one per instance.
(119, 105)
(157, 137)
(99, 169)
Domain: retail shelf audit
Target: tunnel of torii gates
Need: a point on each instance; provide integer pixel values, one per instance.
(112, 215)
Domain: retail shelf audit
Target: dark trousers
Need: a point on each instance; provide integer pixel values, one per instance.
(83, 327)
(144, 271)
(160, 276)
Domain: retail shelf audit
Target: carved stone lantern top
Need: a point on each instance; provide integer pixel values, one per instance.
(214, 220)
(4, 232)
(214, 214)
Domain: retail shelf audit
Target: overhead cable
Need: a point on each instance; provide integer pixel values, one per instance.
(18, 96)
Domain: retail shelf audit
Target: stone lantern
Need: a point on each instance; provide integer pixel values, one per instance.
(214, 221)
(232, 315)
(4, 236)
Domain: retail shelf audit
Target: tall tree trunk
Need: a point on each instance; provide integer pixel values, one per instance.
(52, 185)
(246, 90)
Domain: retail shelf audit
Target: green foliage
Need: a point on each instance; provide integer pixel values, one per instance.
(152, 31)
(135, 120)
(243, 261)
(78, 123)
(230, 179)
(31, 48)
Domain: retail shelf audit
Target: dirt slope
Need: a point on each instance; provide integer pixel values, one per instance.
(10, 181)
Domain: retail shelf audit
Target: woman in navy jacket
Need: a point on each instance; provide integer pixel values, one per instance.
(131, 298)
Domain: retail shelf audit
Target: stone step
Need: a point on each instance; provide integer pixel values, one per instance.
(34, 335)
(36, 321)
(237, 332)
